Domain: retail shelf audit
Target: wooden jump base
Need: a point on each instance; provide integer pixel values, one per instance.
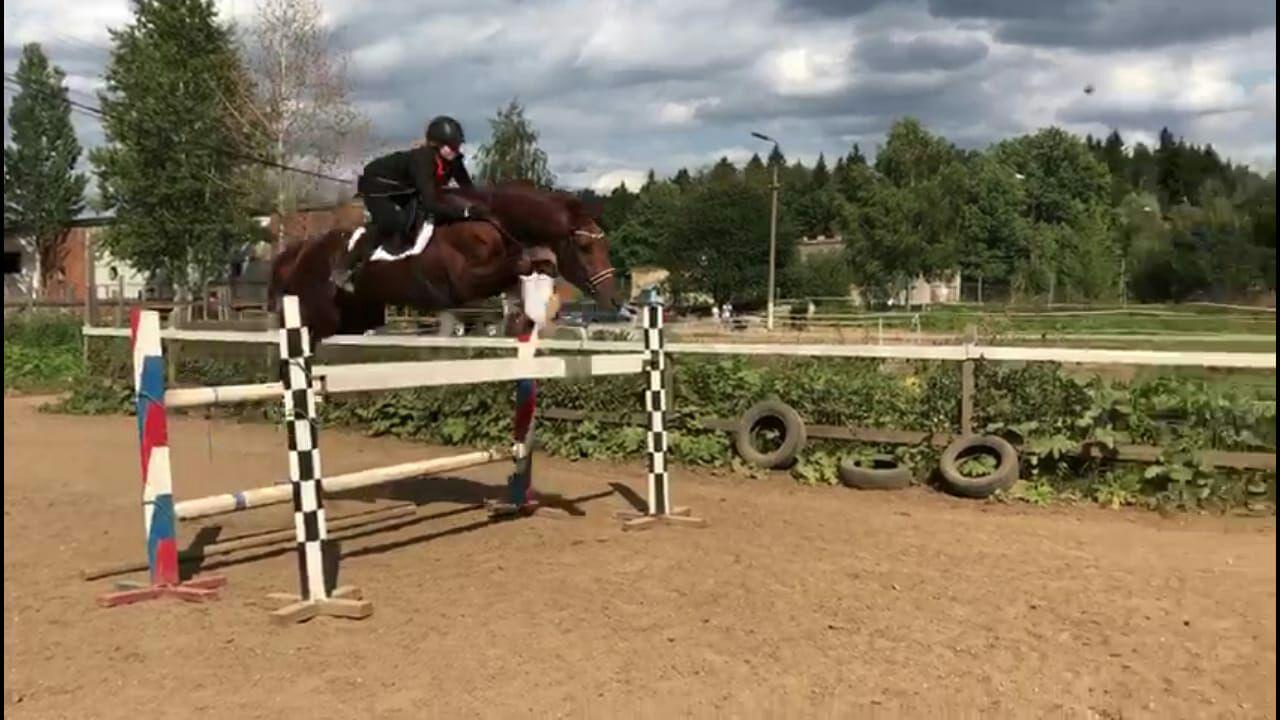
(300, 382)
(360, 521)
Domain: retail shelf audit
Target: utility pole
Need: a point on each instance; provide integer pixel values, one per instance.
(773, 245)
(773, 233)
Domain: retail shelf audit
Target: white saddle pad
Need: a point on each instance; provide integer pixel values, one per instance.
(380, 255)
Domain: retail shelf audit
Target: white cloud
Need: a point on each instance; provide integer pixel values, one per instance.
(808, 70)
(43, 22)
(674, 112)
(607, 181)
(616, 87)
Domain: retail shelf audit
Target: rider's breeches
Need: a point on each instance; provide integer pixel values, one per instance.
(388, 218)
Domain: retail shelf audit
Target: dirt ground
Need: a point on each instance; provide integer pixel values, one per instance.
(794, 602)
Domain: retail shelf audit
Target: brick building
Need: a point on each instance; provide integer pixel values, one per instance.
(110, 278)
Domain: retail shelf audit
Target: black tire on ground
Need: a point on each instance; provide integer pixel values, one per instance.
(1005, 474)
(886, 473)
(776, 416)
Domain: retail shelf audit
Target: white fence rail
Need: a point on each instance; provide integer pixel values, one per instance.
(1089, 356)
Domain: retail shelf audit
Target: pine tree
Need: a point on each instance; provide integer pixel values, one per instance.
(650, 180)
(1171, 170)
(855, 156)
(723, 171)
(820, 175)
(776, 158)
(682, 179)
(42, 191)
(1117, 163)
(755, 173)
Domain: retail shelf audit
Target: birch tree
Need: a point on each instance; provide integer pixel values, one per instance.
(303, 103)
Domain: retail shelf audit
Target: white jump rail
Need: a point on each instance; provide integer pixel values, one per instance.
(280, 494)
(1086, 356)
(370, 377)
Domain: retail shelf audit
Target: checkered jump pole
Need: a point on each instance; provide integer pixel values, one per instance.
(659, 508)
(317, 555)
(160, 521)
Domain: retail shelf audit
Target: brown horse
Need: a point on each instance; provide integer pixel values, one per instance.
(462, 263)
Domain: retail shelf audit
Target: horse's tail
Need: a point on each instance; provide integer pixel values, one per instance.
(303, 264)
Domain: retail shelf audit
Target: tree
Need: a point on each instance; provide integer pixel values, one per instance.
(855, 156)
(881, 237)
(1171, 170)
(720, 242)
(912, 154)
(1117, 164)
(512, 152)
(991, 232)
(1064, 181)
(826, 274)
(649, 181)
(776, 158)
(171, 169)
(820, 175)
(722, 172)
(811, 211)
(42, 191)
(618, 206)
(1142, 169)
(648, 229)
(755, 173)
(302, 101)
(682, 179)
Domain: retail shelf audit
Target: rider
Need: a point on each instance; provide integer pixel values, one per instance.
(390, 184)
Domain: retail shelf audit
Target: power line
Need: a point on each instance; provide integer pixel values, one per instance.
(12, 84)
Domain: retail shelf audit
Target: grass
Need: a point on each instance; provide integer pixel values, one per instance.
(42, 352)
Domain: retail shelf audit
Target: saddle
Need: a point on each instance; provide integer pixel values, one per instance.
(404, 240)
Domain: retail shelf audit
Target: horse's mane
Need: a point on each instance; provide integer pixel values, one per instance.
(542, 212)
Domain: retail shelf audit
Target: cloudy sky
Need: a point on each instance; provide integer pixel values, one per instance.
(619, 86)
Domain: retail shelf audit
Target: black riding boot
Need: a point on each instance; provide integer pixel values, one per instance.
(345, 275)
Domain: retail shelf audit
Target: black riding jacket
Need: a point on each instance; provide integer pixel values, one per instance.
(419, 170)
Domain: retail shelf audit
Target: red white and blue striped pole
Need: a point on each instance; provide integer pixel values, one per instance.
(536, 290)
(159, 521)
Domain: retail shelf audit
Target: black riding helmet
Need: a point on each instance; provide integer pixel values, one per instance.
(445, 131)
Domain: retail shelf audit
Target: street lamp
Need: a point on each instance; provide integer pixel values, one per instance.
(773, 231)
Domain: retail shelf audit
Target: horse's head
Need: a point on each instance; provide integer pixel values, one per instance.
(584, 255)
(561, 222)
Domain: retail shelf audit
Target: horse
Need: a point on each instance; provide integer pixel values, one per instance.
(463, 262)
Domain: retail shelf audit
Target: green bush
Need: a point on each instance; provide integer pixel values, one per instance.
(42, 352)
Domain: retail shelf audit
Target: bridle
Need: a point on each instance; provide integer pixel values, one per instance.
(598, 279)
